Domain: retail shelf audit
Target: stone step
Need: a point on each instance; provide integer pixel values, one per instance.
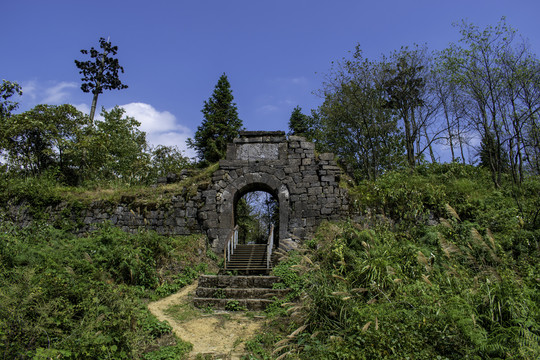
(240, 293)
(229, 281)
(249, 256)
(232, 304)
(229, 292)
(248, 259)
(246, 263)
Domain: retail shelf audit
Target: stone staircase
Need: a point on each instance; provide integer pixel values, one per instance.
(248, 259)
(228, 292)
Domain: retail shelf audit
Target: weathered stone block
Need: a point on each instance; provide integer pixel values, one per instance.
(326, 156)
(294, 144)
(296, 138)
(328, 178)
(307, 145)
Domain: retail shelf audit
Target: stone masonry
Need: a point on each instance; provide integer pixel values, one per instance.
(304, 184)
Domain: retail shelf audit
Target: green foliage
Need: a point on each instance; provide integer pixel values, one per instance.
(354, 123)
(101, 72)
(41, 138)
(167, 160)
(220, 124)
(61, 140)
(178, 281)
(465, 287)
(115, 148)
(300, 124)
(405, 86)
(494, 72)
(154, 327)
(81, 297)
(260, 346)
(178, 351)
(234, 305)
(7, 90)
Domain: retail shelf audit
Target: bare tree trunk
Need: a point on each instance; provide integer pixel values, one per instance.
(93, 108)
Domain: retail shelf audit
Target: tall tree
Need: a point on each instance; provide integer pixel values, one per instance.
(499, 76)
(101, 72)
(116, 148)
(7, 90)
(406, 89)
(299, 123)
(43, 137)
(353, 121)
(219, 126)
(454, 109)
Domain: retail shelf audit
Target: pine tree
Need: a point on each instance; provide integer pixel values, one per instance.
(220, 124)
(299, 124)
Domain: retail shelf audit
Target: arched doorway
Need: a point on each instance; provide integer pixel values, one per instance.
(230, 194)
(256, 210)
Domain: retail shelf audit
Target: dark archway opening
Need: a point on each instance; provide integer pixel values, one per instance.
(256, 208)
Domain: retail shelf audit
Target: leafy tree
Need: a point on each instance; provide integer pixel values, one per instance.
(354, 123)
(405, 88)
(300, 124)
(7, 90)
(168, 159)
(115, 148)
(220, 124)
(455, 108)
(101, 72)
(498, 76)
(43, 137)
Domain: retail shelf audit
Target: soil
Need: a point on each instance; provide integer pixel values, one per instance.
(217, 334)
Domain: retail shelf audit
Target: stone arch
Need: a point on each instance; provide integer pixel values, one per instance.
(254, 182)
(306, 185)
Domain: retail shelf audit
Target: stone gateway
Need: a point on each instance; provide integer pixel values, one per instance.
(305, 186)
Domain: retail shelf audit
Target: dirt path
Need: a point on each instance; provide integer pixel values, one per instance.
(221, 334)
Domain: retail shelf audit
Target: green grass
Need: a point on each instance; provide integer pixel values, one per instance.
(71, 298)
(444, 266)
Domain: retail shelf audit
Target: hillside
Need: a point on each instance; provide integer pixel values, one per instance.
(437, 264)
(441, 266)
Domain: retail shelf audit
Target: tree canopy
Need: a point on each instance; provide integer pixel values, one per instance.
(219, 126)
(7, 90)
(300, 124)
(100, 72)
(479, 99)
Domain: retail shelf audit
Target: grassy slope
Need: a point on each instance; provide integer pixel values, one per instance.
(390, 286)
(394, 287)
(75, 298)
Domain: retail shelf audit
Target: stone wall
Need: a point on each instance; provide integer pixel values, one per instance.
(304, 184)
(179, 217)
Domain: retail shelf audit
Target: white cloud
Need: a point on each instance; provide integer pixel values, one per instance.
(29, 89)
(268, 108)
(151, 119)
(288, 81)
(161, 127)
(35, 92)
(58, 93)
(299, 80)
(84, 108)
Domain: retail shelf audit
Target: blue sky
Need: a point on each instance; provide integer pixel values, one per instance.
(275, 53)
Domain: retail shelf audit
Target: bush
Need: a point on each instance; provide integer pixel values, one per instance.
(81, 297)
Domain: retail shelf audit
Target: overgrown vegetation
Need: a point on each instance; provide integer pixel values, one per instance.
(443, 265)
(44, 190)
(442, 261)
(74, 298)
